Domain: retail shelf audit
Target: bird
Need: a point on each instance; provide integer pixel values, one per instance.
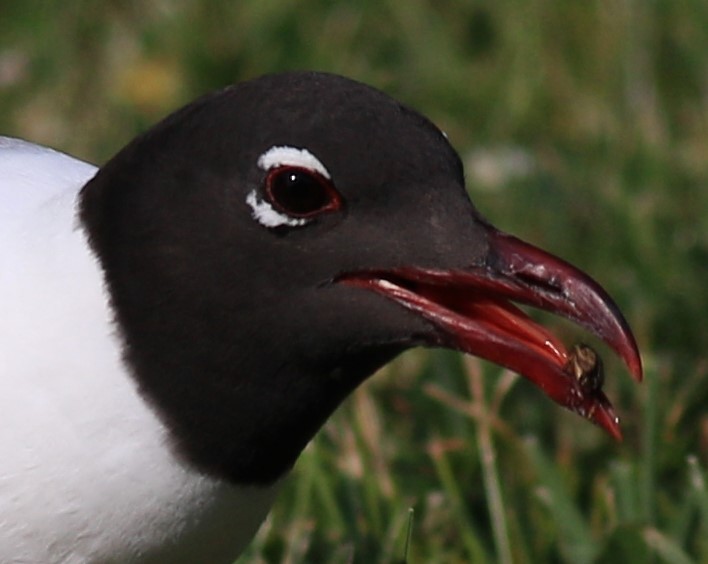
(177, 324)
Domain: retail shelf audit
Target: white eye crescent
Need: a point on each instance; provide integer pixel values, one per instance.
(266, 215)
(292, 156)
(297, 188)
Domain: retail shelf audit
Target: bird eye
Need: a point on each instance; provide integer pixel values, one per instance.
(300, 192)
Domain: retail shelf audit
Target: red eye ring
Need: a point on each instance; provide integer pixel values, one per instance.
(301, 192)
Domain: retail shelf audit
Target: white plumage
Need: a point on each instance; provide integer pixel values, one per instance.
(85, 471)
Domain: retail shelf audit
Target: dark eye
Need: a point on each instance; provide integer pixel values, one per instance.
(300, 192)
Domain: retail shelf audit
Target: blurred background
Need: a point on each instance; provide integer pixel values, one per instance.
(584, 130)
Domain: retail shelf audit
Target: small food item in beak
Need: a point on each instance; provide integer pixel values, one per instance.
(585, 365)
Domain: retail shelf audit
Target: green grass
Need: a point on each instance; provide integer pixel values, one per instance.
(585, 129)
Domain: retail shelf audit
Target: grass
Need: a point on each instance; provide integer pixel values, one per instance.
(584, 127)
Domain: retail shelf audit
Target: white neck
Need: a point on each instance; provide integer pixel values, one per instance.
(86, 470)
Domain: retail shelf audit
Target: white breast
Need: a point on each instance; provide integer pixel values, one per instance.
(85, 471)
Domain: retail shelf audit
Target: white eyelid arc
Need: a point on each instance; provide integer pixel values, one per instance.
(291, 156)
(267, 216)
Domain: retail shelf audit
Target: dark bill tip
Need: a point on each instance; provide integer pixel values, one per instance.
(529, 275)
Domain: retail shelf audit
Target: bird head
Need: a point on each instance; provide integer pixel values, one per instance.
(267, 247)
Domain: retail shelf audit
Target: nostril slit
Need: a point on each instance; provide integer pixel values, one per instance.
(551, 285)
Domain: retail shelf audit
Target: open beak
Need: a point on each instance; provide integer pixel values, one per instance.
(472, 310)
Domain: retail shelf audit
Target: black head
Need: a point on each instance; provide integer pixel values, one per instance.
(223, 233)
(222, 283)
